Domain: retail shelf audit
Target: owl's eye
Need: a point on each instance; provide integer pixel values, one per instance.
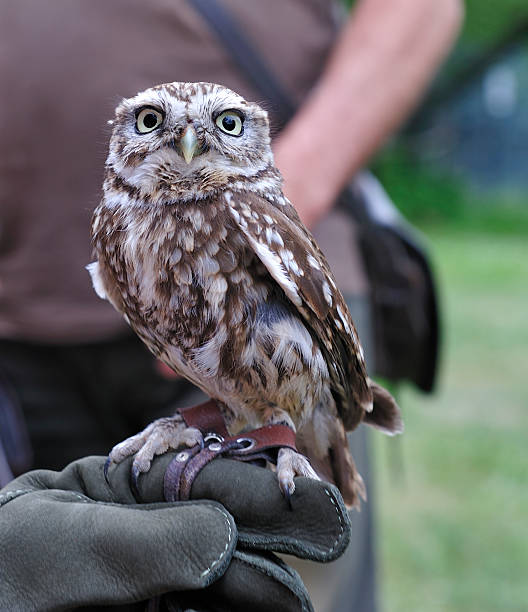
(230, 122)
(148, 119)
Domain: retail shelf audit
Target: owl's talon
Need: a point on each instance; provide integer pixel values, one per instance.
(287, 488)
(290, 463)
(135, 473)
(156, 439)
(106, 467)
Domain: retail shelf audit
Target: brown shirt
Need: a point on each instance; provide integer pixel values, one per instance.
(64, 65)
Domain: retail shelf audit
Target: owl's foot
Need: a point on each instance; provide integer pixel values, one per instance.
(156, 439)
(290, 463)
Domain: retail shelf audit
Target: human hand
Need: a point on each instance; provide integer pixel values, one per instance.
(98, 544)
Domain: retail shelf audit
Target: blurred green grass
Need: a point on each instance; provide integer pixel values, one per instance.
(453, 520)
(429, 196)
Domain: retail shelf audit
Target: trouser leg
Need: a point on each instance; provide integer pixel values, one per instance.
(349, 584)
(82, 400)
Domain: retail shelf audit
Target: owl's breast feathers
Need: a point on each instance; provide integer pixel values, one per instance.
(236, 286)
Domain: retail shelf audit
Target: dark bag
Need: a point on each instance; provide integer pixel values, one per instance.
(403, 295)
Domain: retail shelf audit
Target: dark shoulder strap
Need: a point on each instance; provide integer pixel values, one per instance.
(246, 57)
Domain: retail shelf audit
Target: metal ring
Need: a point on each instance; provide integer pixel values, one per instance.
(213, 437)
(248, 443)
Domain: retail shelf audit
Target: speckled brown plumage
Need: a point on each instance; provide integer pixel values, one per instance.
(209, 263)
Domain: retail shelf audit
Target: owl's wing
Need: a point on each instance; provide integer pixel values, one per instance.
(288, 251)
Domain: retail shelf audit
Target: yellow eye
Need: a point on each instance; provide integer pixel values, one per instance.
(148, 119)
(230, 122)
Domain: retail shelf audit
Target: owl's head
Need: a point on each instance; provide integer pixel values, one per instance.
(181, 141)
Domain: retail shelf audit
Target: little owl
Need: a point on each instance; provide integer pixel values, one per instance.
(209, 263)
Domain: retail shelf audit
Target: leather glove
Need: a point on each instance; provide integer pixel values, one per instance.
(71, 539)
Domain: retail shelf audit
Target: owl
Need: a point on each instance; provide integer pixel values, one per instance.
(209, 263)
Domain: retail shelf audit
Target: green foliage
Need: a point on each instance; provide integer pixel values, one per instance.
(420, 195)
(428, 196)
(486, 21)
(454, 534)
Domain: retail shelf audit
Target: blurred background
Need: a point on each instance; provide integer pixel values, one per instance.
(452, 494)
(451, 498)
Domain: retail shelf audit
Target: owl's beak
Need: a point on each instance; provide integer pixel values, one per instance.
(189, 143)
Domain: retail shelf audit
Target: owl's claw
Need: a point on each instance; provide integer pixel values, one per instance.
(134, 480)
(287, 487)
(290, 463)
(106, 467)
(156, 439)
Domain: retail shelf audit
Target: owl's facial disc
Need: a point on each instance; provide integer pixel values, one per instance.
(181, 141)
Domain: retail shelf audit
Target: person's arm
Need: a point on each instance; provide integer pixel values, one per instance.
(382, 63)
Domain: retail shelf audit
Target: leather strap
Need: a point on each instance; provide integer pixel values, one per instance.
(206, 417)
(258, 446)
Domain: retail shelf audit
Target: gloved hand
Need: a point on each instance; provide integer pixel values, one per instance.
(70, 539)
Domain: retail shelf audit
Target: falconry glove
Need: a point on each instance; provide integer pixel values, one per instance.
(70, 539)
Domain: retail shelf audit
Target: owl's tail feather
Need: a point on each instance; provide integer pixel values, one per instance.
(345, 475)
(385, 414)
(337, 465)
